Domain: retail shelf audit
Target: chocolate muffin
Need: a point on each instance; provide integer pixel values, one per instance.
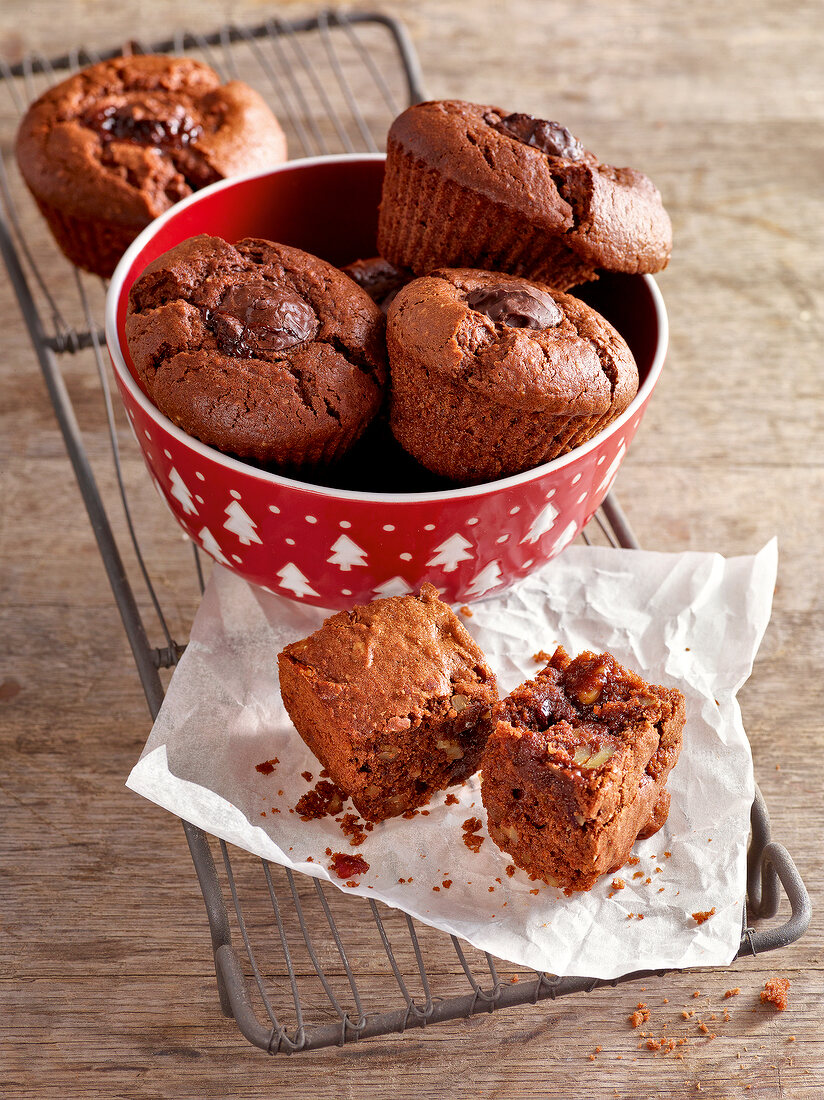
(474, 186)
(106, 151)
(492, 374)
(380, 279)
(258, 349)
(576, 765)
(390, 698)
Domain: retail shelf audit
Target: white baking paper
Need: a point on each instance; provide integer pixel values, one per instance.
(692, 621)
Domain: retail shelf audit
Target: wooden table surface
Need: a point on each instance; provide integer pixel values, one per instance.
(106, 977)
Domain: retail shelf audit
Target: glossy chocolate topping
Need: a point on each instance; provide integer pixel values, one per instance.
(515, 307)
(549, 137)
(259, 317)
(146, 121)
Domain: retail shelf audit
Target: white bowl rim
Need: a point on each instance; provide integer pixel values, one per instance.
(211, 453)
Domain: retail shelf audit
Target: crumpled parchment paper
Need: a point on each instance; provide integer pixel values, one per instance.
(692, 621)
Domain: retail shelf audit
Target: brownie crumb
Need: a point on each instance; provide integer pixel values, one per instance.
(733, 992)
(510, 870)
(639, 874)
(345, 865)
(775, 993)
(328, 851)
(437, 889)
(466, 611)
(307, 776)
(542, 657)
(470, 827)
(324, 799)
(447, 882)
(703, 915)
(324, 774)
(352, 826)
(618, 884)
(268, 766)
(633, 861)
(451, 800)
(640, 1016)
(667, 855)
(696, 993)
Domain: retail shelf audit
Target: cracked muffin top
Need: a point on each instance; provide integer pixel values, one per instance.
(259, 349)
(511, 341)
(110, 148)
(610, 218)
(133, 135)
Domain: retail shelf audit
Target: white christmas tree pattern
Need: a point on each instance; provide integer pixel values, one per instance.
(180, 492)
(565, 538)
(241, 524)
(488, 578)
(292, 579)
(346, 554)
(543, 522)
(609, 476)
(209, 544)
(450, 553)
(395, 586)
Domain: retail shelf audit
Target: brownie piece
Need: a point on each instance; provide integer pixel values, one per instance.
(259, 349)
(576, 765)
(390, 698)
(492, 374)
(468, 185)
(111, 147)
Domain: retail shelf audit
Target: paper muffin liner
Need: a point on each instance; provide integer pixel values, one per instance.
(96, 246)
(454, 432)
(428, 221)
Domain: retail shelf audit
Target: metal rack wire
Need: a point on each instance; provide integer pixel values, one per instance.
(300, 981)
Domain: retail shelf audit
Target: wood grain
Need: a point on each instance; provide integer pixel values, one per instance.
(106, 977)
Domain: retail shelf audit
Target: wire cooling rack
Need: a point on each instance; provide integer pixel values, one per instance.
(299, 966)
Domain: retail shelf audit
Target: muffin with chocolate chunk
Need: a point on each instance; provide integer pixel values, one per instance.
(107, 150)
(492, 374)
(379, 278)
(474, 186)
(258, 349)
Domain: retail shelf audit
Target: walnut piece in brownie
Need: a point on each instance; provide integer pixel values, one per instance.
(576, 765)
(389, 697)
(259, 349)
(111, 147)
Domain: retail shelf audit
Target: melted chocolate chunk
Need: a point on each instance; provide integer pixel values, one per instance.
(258, 317)
(149, 121)
(550, 137)
(515, 306)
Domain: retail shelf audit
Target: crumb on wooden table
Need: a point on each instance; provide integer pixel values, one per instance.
(775, 993)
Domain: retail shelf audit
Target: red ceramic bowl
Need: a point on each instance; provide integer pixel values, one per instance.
(336, 546)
